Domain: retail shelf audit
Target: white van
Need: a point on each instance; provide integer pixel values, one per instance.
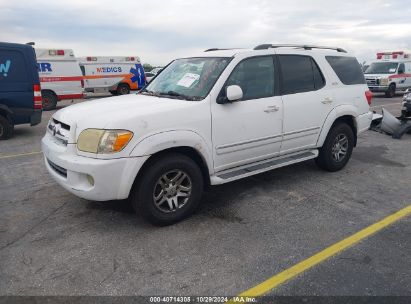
(60, 76)
(391, 72)
(117, 75)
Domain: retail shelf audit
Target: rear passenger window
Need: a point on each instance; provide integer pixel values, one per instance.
(12, 67)
(255, 76)
(300, 74)
(347, 69)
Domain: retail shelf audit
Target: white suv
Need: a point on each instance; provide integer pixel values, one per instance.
(207, 120)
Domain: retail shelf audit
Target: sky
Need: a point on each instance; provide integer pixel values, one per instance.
(160, 31)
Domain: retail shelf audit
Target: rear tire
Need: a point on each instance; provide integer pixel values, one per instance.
(113, 92)
(6, 128)
(337, 148)
(49, 100)
(169, 189)
(390, 93)
(123, 89)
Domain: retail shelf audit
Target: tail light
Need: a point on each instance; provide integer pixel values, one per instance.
(368, 95)
(82, 83)
(38, 103)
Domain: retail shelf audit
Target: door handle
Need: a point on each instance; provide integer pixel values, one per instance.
(271, 109)
(327, 100)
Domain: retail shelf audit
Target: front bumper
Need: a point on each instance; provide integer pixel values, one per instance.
(364, 122)
(378, 89)
(90, 178)
(406, 107)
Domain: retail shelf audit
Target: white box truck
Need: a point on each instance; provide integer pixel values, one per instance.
(117, 75)
(391, 72)
(60, 76)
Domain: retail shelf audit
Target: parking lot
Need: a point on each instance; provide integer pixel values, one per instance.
(53, 243)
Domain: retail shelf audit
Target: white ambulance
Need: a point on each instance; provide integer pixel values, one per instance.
(60, 76)
(117, 75)
(391, 72)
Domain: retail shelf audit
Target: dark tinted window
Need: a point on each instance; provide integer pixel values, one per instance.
(401, 69)
(255, 76)
(300, 74)
(12, 67)
(347, 69)
(319, 80)
(83, 70)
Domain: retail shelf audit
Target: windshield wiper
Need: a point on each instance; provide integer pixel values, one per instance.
(148, 92)
(178, 95)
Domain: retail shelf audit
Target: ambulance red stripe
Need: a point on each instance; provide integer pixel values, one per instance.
(70, 96)
(400, 76)
(60, 78)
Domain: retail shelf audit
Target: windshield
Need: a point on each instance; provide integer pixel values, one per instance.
(382, 68)
(189, 78)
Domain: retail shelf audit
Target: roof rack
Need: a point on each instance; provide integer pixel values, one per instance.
(217, 49)
(301, 46)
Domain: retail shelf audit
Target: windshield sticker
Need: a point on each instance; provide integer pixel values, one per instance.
(188, 80)
(392, 70)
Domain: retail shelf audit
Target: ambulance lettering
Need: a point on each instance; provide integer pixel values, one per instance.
(5, 67)
(109, 70)
(44, 67)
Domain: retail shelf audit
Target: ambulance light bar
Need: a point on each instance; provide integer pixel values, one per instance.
(91, 58)
(130, 58)
(56, 52)
(394, 55)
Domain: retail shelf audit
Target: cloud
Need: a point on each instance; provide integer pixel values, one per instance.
(159, 31)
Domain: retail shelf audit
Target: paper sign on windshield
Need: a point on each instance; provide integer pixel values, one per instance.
(188, 80)
(392, 70)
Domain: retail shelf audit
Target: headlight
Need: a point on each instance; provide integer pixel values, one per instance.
(103, 141)
(384, 81)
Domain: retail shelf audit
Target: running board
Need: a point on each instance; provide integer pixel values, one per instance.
(261, 166)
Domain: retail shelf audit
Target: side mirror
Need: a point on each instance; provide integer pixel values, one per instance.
(234, 93)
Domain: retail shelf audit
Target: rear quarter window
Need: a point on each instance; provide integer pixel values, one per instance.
(13, 67)
(347, 69)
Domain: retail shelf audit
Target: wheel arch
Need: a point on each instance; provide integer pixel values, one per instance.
(346, 114)
(6, 112)
(184, 142)
(190, 152)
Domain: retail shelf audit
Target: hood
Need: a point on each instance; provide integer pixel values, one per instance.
(116, 112)
(376, 76)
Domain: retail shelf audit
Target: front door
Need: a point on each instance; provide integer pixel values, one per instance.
(250, 129)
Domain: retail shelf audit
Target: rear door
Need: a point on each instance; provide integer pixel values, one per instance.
(307, 101)
(16, 81)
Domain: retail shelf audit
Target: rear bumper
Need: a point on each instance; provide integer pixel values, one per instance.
(35, 118)
(364, 122)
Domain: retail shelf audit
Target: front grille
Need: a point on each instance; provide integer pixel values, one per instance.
(59, 170)
(372, 81)
(59, 131)
(63, 125)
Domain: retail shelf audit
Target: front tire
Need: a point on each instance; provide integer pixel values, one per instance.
(337, 148)
(169, 189)
(390, 93)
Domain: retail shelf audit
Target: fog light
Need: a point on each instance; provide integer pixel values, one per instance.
(90, 179)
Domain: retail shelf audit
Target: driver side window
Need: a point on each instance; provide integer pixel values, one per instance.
(255, 76)
(401, 69)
